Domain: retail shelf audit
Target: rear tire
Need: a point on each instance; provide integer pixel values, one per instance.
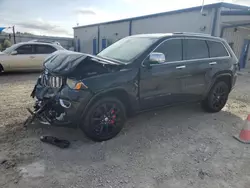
(1, 69)
(104, 119)
(217, 97)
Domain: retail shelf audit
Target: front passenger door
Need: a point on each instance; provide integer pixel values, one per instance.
(160, 83)
(23, 59)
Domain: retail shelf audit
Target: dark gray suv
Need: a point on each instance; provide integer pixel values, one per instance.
(97, 93)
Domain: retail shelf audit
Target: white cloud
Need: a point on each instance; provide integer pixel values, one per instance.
(39, 27)
(43, 26)
(85, 11)
(91, 15)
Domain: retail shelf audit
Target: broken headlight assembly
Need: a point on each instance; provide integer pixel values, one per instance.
(75, 84)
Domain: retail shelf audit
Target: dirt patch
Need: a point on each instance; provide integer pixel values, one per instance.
(174, 147)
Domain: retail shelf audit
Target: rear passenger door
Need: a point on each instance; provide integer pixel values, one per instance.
(41, 52)
(197, 68)
(218, 55)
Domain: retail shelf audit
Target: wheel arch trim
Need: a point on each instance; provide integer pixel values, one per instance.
(102, 94)
(215, 78)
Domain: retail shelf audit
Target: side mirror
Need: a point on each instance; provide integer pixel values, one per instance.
(14, 52)
(157, 58)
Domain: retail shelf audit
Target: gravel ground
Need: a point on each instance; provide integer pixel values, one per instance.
(175, 147)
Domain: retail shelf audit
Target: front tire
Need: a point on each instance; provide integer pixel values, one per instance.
(217, 97)
(104, 119)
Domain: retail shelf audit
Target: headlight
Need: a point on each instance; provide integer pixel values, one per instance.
(71, 83)
(75, 84)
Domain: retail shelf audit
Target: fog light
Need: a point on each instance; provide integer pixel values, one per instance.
(64, 103)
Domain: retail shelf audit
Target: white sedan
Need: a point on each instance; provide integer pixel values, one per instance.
(26, 56)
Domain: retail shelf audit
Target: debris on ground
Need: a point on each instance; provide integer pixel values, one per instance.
(8, 164)
(202, 174)
(55, 141)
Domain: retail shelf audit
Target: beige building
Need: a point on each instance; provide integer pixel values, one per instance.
(226, 20)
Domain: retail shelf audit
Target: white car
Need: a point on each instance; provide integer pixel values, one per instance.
(26, 56)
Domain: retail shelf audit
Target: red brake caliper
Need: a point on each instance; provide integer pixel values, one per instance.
(112, 121)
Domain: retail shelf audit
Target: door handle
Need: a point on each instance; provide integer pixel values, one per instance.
(181, 67)
(213, 63)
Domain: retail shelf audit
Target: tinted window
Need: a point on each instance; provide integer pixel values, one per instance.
(44, 49)
(216, 49)
(195, 49)
(172, 49)
(25, 49)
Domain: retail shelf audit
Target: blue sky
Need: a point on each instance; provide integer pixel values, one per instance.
(57, 17)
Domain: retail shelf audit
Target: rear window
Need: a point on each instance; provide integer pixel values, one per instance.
(195, 49)
(217, 49)
(44, 49)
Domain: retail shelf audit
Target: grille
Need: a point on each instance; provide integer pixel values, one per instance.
(51, 81)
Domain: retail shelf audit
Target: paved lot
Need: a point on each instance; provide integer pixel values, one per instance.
(174, 148)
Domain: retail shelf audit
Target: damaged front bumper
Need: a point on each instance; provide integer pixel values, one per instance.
(58, 106)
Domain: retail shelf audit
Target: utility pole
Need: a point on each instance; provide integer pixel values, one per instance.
(14, 35)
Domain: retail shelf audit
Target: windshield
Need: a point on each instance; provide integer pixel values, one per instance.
(127, 48)
(10, 49)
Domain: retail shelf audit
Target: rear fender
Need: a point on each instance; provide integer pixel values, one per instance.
(215, 78)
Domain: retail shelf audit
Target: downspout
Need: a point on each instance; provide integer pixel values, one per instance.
(98, 39)
(215, 21)
(130, 27)
(222, 31)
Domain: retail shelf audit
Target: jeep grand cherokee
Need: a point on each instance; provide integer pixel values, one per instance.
(97, 93)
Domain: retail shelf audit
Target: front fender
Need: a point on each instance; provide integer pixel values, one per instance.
(125, 81)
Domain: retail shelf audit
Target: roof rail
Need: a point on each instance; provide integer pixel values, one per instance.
(191, 33)
(45, 41)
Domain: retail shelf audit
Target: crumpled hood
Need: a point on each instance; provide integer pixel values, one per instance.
(62, 62)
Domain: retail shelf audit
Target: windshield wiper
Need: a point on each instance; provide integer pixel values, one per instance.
(110, 59)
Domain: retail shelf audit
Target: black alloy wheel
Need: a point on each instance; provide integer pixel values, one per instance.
(217, 97)
(104, 119)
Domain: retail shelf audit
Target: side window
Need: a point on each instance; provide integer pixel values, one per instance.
(44, 49)
(172, 49)
(217, 49)
(25, 49)
(195, 49)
